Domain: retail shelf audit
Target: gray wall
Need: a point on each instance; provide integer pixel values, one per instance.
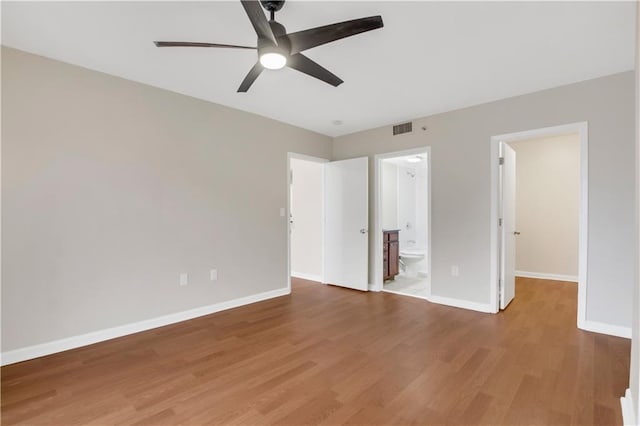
(111, 188)
(460, 152)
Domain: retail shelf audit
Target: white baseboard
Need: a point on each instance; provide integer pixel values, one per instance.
(30, 352)
(604, 328)
(465, 304)
(543, 276)
(416, 296)
(304, 276)
(628, 413)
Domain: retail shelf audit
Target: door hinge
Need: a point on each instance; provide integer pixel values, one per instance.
(501, 161)
(291, 177)
(500, 222)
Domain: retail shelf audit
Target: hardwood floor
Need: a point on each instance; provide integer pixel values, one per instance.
(327, 355)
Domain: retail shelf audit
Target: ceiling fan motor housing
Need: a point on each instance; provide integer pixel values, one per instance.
(280, 32)
(272, 5)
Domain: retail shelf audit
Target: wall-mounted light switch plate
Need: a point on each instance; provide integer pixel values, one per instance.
(213, 275)
(184, 278)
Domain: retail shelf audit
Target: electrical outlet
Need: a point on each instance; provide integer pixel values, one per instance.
(455, 272)
(213, 275)
(184, 278)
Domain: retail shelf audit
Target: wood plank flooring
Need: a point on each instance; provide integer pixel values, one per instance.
(329, 356)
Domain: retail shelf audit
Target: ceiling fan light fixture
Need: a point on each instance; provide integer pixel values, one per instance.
(273, 60)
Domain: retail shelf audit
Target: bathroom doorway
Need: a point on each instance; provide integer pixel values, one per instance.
(403, 223)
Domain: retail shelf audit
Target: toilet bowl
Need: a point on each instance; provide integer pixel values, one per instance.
(410, 258)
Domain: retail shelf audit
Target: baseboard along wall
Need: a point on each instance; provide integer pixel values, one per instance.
(305, 276)
(545, 276)
(628, 413)
(604, 328)
(36, 351)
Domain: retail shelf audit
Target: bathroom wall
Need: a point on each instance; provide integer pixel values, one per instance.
(389, 195)
(412, 199)
(407, 206)
(422, 194)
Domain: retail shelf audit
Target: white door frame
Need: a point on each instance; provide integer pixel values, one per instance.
(291, 155)
(582, 129)
(377, 214)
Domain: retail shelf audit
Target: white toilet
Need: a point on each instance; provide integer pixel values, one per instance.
(410, 258)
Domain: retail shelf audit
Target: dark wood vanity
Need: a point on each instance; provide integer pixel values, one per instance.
(391, 254)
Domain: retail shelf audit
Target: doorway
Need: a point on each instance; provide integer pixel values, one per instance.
(506, 231)
(402, 238)
(306, 217)
(327, 211)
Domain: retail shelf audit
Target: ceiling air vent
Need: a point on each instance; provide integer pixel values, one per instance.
(399, 129)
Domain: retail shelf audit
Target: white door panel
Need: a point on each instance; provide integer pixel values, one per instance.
(508, 229)
(346, 223)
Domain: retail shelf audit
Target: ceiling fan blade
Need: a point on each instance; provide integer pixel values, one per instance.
(305, 65)
(251, 77)
(303, 40)
(195, 44)
(258, 20)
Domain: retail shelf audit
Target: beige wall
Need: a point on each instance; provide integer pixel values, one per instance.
(307, 210)
(460, 184)
(111, 188)
(547, 205)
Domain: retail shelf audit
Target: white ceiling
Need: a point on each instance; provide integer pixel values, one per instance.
(430, 57)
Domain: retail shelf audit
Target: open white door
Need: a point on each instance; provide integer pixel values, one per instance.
(508, 228)
(346, 222)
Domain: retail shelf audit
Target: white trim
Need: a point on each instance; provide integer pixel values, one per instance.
(377, 213)
(447, 301)
(30, 352)
(583, 129)
(545, 276)
(459, 303)
(628, 414)
(308, 277)
(604, 328)
(291, 155)
(417, 296)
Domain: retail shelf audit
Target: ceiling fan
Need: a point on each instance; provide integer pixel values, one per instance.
(277, 49)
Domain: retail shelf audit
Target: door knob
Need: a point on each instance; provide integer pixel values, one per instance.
(363, 231)
(516, 232)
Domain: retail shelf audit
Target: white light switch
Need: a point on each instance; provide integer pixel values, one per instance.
(184, 278)
(282, 212)
(213, 275)
(455, 271)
